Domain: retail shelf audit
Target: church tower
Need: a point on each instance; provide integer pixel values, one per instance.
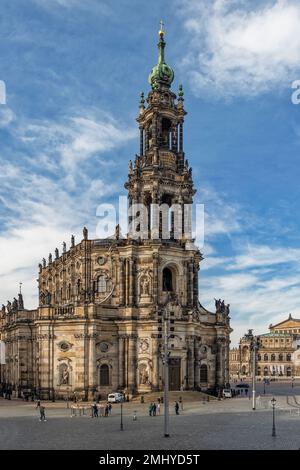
(161, 174)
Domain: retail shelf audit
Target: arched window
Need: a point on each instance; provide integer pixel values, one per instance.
(259, 357)
(167, 280)
(266, 357)
(166, 133)
(266, 370)
(258, 371)
(104, 375)
(289, 371)
(273, 358)
(101, 284)
(288, 357)
(203, 373)
(280, 357)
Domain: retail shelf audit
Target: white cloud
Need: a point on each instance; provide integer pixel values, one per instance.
(76, 139)
(40, 210)
(241, 48)
(6, 116)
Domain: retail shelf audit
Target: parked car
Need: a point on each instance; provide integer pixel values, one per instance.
(115, 398)
(227, 393)
(242, 385)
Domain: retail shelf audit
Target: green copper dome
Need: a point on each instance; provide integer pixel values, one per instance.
(161, 73)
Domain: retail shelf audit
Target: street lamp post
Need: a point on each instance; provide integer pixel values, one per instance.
(254, 345)
(166, 373)
(264, 386)
(273, 402)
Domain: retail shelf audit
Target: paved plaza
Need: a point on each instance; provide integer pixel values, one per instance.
(226, 424)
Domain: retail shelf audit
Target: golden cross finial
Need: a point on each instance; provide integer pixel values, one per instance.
(161, 31)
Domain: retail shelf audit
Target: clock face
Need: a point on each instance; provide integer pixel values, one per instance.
(101, 260)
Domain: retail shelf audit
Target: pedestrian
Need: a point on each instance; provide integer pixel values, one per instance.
(150, 409)
(38, 404)
(181, 403)
(246, 391)
(95, 411)
(109, 409)
(42, 413)
(154, 409)
(177, 407)
(158, 400)
(158, 408)
(106, 411)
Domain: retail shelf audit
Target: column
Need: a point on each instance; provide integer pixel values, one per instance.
(181, 137)
(196, 364)
(191, 283)
(121, 361)
(132, 342)
(141, 141)
(155, 278)
(155, 362)
(92, 382)
(121, 281)
(131, 281)
(195, 286)
(191, 363)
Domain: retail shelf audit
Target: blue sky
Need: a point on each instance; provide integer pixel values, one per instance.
(73, 72)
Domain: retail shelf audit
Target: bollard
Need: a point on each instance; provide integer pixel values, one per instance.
(134, 416)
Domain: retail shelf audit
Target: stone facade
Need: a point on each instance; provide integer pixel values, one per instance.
(278, 355)
(99, 324)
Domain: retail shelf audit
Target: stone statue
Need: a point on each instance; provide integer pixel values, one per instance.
(50, 258)
(3, 309)
(145, 284)
(20, 302)
(144, 376)
(40, 267)
(56, 253)
(85, 233)
(64, 247)
(15, 305)
(130, 167)
(44, 263)
(42, 298)
(64, 375)
(72, 241)
(117, 232)
(8, 306)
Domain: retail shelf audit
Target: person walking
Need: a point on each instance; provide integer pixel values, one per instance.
(181, 403)
(42, 413)
(150, 409)
(106, 411)
(177, 407)
(95, 410)
(109, 409)
(154, 409)
(158, 408)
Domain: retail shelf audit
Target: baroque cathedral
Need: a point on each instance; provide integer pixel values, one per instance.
(99, 324)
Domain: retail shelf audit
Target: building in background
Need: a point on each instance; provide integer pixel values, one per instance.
(278, 355)
(99, 324)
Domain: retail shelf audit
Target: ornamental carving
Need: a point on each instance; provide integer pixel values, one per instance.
(144, 344)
